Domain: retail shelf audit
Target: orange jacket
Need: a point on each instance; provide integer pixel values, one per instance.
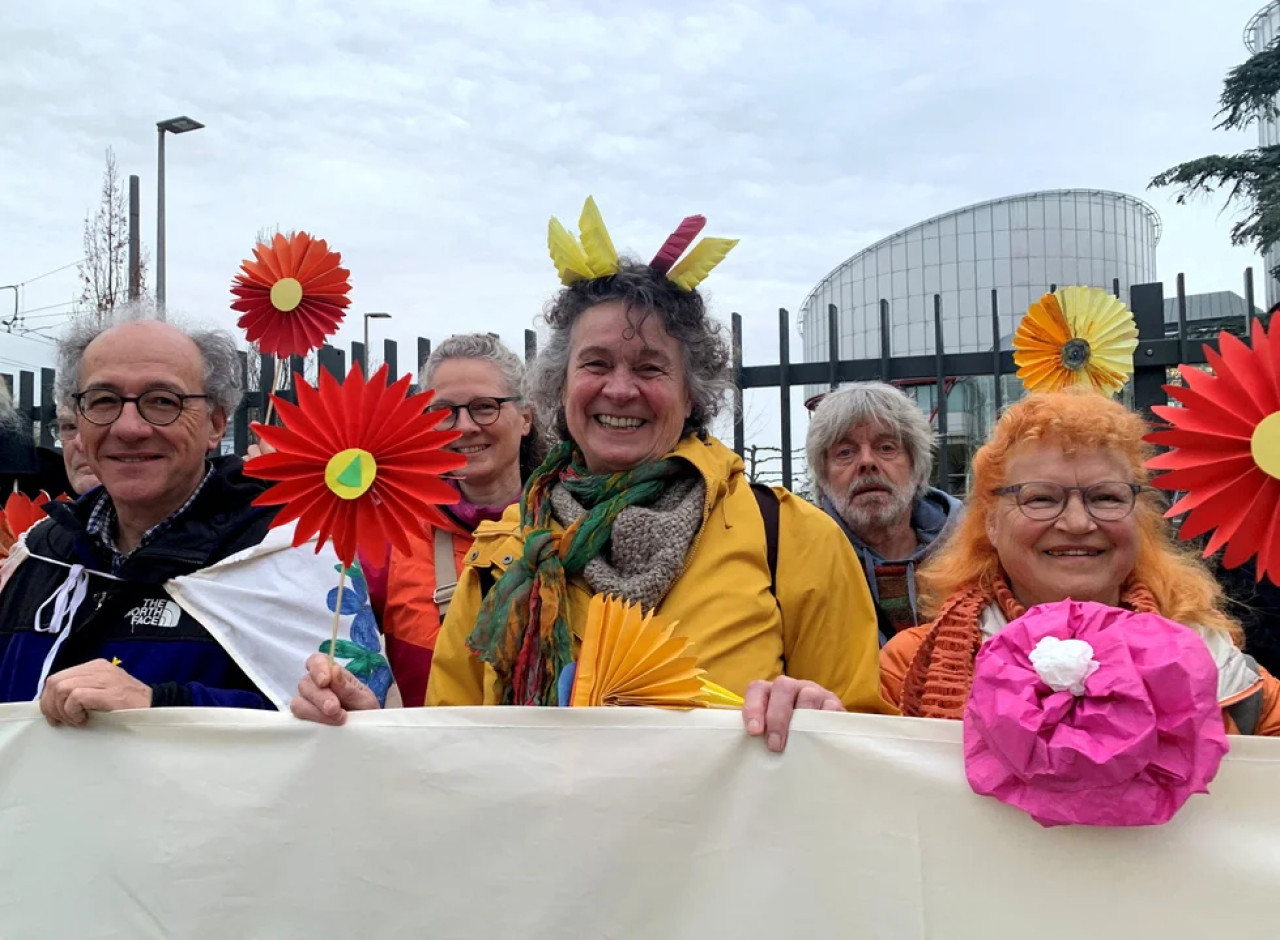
(411, 617)
(897, 654)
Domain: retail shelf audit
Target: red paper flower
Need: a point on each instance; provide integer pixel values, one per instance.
(1226, 450)
(358, 463)
(20, 513)
(292, 295)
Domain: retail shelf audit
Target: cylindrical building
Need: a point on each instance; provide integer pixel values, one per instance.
(1020, 247)
(1260, 33)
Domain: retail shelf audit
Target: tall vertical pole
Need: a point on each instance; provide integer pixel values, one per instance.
(160, 280)
(784, 387)
(135, 240)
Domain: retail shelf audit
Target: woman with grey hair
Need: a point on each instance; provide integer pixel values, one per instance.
(477, 380)
(637, 500)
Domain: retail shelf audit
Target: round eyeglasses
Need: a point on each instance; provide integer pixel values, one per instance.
(1044, 502)
(159, 407)
(483, 411)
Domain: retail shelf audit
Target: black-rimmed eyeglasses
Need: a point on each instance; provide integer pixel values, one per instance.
(1106, 502)
(160, 407)
(483, 411)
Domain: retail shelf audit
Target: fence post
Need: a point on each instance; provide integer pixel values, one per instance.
(1147, 303)
(833, 346)
(48, 407)
(358, 354)
(784, 383)
(391, 359)
(27, 400)
(739, 425)
(1182, 318)
(424, 353)
(530, 346)
(998, 399)
(1248, 303)
(886, 342)
(331, 359)
(944, 456)
(240, 420)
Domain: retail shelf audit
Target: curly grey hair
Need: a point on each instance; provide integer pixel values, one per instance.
(222, 381)
(885, 408)
(643, 291)
(486, 347)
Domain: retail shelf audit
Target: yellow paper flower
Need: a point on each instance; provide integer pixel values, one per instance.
(1077, 336)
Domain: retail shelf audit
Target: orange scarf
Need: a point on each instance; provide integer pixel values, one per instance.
(938, 680)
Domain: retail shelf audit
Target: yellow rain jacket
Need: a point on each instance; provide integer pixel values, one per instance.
(822, 626)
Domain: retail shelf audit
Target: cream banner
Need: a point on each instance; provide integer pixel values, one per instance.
(564, 824)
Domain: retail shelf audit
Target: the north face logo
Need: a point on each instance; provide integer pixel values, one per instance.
(156, 612)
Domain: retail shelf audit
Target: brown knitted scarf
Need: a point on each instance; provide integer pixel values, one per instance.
(937, 683)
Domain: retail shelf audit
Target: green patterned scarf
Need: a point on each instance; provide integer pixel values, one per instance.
(522, 630)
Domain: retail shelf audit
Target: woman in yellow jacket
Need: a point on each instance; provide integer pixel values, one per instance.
(637, 501)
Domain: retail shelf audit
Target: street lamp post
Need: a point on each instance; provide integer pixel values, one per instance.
(376, 315)
(178, 125)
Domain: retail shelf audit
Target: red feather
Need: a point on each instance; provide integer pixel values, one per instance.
(676, 243)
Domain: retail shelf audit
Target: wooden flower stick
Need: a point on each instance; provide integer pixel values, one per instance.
(337, 614)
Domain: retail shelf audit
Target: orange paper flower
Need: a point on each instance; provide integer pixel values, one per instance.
(358, 463)
(1077, 336)
(292, 295)
(1225, 450)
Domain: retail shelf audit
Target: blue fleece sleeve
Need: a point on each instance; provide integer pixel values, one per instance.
(198, 695)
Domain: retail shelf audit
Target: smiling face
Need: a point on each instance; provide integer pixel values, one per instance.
(149, 471)
(869, 478)
(625, 396)
(79, 474)
(1075, 555)
(492, 450)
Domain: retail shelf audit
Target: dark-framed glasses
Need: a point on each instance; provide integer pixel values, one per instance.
(1109, 501)
(158, 406)
(483, 411)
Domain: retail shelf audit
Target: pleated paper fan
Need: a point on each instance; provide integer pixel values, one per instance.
(358, 463)
(1225, 450)
(292, 295)
(1076, 336)
(630, 658)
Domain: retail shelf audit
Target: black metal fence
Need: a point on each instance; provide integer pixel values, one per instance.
(1157, 352)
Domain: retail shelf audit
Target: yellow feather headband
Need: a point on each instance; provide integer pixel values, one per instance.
(594, 255)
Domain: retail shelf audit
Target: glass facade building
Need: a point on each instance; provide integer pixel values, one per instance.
(1020, 247)
(1260, 33)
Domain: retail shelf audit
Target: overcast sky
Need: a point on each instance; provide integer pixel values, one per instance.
(430, 141)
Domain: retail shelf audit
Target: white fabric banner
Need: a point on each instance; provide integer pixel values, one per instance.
(558, 823)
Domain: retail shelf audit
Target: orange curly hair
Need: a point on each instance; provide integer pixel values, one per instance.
(1076, 419)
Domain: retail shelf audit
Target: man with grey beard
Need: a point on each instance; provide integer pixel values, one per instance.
(870, 451)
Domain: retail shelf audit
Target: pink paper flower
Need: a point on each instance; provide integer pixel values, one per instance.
(1145, 734)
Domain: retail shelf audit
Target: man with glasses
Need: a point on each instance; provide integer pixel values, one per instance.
(80, 476)
(870, 451)
(85, 621)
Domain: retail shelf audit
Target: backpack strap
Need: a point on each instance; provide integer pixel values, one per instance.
(1246, 712)
(446, 571)
(767, 500)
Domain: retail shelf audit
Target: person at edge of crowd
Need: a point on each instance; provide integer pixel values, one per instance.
(870, 450)
(1256, 605)
(85, 622)
(638, 500)
(80, 476)
(1059, 508)
(477, 380)
(25, 467)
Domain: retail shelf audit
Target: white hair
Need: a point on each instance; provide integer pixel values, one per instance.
(885, 408)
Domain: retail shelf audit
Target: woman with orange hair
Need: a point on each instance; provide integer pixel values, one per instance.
(1058, 508)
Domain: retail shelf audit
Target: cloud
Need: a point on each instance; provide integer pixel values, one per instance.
(430, 141)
